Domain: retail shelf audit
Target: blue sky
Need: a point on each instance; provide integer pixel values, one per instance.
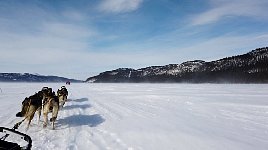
(81, 38)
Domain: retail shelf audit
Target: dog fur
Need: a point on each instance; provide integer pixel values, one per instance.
(62, 95)
(45, 99)
(29, 106)
(50, 104)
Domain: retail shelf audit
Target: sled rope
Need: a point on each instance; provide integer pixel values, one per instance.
(16, 126)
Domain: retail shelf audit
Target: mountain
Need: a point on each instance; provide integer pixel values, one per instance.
(26, 77)
(251, 67)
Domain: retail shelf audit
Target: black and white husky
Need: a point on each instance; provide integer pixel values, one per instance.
(62, 95)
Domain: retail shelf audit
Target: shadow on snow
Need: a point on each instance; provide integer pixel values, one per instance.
(80, 120)
(69, 107)
(79, 100)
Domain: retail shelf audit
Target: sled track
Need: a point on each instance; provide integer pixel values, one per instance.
(148, 116)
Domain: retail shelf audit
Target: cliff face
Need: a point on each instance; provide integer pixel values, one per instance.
(251, 67)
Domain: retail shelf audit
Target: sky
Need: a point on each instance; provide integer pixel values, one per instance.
(82, 38)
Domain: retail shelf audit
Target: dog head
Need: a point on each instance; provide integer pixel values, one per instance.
(59, 92)
(44, 88)
(47, 92)
(40, 94)
(64, 91)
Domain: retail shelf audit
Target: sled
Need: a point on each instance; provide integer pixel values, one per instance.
(24, 142)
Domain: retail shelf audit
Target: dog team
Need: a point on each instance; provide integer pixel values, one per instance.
(46, 101)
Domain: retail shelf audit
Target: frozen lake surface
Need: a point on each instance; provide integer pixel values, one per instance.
(147, 116)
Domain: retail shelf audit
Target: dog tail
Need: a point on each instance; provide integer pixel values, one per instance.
(19, 114)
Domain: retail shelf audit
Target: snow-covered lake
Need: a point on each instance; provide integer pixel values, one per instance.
(148, 116)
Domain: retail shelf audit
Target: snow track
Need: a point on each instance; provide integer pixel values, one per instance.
(148, 116)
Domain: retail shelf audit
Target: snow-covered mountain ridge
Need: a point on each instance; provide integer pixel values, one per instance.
(26, 77)
(251, 67)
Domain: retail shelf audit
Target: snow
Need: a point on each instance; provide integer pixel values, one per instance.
(147, 116)
(129, 75)
(113, 73)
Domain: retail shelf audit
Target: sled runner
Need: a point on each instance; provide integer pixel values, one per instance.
(14, 145)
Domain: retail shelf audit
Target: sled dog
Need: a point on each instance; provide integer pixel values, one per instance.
(29, 106)
(50, 104)
(62, 95)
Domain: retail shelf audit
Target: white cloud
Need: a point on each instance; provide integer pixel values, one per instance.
(118, 6)
(66, 30)
(74, 15)
(232, 8)
(37, 49)
(41, 41)
(138, 56)
(224, 46)
(59, 43)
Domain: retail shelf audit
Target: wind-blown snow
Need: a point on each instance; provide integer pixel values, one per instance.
(148, 116)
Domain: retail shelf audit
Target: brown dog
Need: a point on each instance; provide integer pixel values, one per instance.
(29, 106)
(50, 104)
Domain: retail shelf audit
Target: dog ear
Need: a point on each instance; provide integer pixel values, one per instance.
(40, 93)
(25, 100)
(45, 88)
